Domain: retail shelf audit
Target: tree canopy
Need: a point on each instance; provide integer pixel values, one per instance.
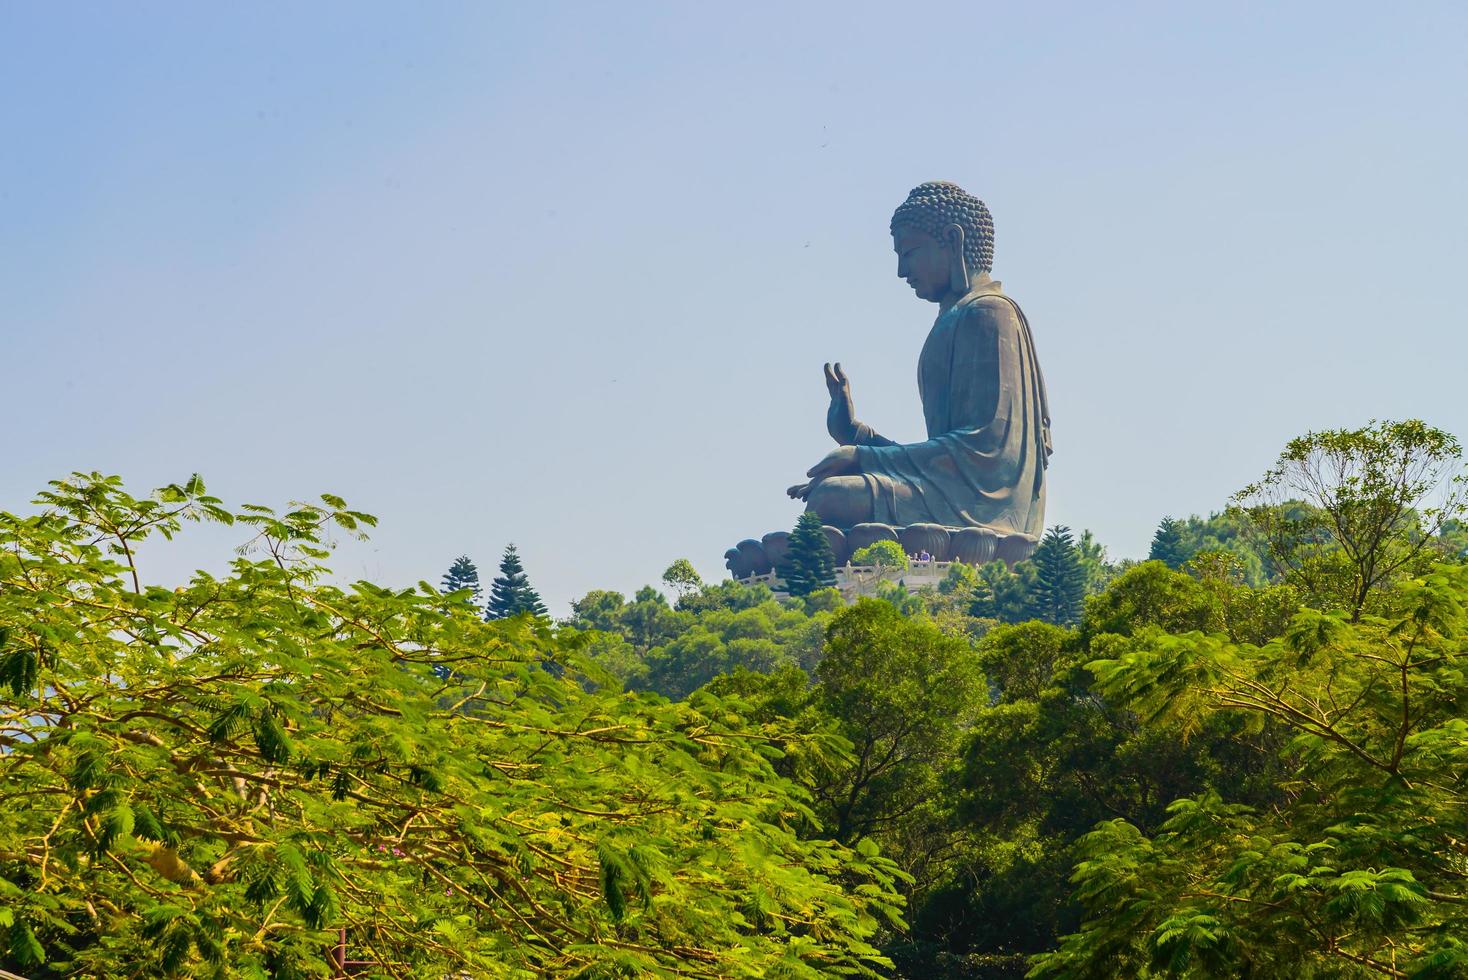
(213, 779)
(1357, 868)
(1373, 500)
(886, 554)
(1244, 765)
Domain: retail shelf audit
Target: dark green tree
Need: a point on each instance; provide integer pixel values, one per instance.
(1354, 871)
(511, 593)
(1059, 592)
(462, 574)
(809, 564)
(649, 621)
(903, 694)
(983, 605)
(1002, 593)
(1167, 544)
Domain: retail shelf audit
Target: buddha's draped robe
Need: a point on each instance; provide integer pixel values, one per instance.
(988, 424)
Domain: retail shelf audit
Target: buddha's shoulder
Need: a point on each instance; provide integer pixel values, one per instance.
(988, 307)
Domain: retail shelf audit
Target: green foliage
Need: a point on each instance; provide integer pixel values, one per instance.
(898, 691)
(1099, 571)
(1071, 570)
(1167, 544)
(948, 606)
(599, 609)
(463, 576)
(960, 580)
(827, 600)
(682, 578)
(809, 564)
(1249, 615)
(1209, 595)
(763, 639)
(650, 646)
(1357, 869)
(1153, 594)
(1374, 498)
(1229, 532)
(901, 692)
(1214, 774)
(1048, 757)
(1002, 593)
(1452, 540)
(728, 594)
(896, 595)
(1059, 590)
(510, 594)
(212, 780)
(883, 554)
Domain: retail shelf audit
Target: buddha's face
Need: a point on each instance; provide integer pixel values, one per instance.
(924, 262)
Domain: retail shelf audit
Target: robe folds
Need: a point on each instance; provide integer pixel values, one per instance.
(988, 423)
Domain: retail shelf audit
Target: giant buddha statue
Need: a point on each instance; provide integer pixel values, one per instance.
(974, 489)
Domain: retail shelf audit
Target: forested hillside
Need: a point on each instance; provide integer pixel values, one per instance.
(1242, 757)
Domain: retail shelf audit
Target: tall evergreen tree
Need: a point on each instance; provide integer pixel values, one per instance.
(463, 574)
(983, 604)
(510, 593)
(809, 564)
(1058, 595)
(1167, 544)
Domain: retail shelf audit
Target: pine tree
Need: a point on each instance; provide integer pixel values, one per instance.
(983, 604)
(809, 564)
(1059, 592)
(1167, 544)
(462, 574)
(510, 593)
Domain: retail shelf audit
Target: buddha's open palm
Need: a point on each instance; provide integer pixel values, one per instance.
(841, 416)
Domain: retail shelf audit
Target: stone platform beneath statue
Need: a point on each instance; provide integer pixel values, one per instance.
(754, 559)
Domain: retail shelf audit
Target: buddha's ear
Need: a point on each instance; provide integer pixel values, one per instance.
(957, 265)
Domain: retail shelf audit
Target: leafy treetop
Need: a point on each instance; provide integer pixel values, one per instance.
(212, 780)
(884, 554)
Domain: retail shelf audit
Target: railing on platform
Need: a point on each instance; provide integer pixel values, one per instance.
(924, 571)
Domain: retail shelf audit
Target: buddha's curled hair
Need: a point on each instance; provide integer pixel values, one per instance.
(935, 205)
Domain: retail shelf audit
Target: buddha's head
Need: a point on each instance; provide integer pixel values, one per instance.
(944, 238)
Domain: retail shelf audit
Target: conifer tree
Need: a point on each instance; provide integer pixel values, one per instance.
(809, 564)
(510, 593)
(1059, 592)
(463, 574)
(983, 604)
(1167, 544)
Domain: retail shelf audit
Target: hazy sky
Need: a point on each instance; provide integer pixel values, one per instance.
(565, 275)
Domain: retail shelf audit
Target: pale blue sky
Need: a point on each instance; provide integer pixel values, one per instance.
(566, 274)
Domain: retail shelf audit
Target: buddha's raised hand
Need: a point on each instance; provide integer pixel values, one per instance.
(841, 416)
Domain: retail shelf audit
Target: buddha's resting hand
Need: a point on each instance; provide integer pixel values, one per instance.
(841, 416)
(838, 462)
